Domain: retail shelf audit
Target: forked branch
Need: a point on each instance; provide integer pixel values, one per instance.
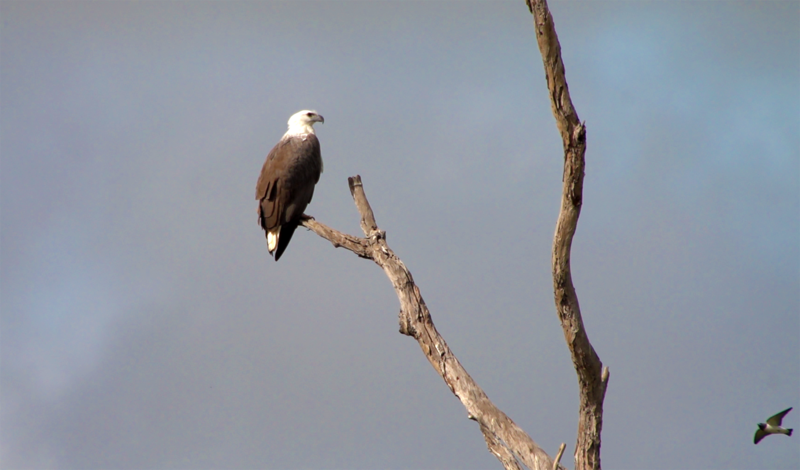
(504, 438)
(510, 444)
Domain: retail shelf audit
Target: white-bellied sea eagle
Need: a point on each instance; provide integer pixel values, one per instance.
(286, 184)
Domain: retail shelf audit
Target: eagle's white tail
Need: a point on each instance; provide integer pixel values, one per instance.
(272, 239)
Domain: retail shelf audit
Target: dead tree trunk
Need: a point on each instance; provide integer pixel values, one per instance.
(507, 441)
(592, 378)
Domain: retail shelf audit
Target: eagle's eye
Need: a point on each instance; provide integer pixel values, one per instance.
(309, 114)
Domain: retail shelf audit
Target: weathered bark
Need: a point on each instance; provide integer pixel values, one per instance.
(592, 378)
(507, 441)
(503, 437)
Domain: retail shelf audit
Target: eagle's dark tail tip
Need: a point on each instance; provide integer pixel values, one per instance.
(287, 230)
(790, 431)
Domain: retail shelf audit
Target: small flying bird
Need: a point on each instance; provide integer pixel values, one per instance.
(286, 184)
(772, 426)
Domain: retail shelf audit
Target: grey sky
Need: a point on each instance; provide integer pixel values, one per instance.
(145, 326)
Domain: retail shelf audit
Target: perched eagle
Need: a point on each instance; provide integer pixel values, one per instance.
(287, 180)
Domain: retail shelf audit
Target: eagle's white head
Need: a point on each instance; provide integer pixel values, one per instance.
(302, 122)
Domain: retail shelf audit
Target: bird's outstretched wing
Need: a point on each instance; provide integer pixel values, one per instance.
(760, 434)
(776, 420)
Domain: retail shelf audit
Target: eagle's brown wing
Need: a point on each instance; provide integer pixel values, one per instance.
(286, 185)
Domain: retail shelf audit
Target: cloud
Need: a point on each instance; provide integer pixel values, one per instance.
(144, 325)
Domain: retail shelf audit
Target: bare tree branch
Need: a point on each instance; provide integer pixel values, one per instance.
(507, 441)
(558, 455)
(503, 437)
(592, 378)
